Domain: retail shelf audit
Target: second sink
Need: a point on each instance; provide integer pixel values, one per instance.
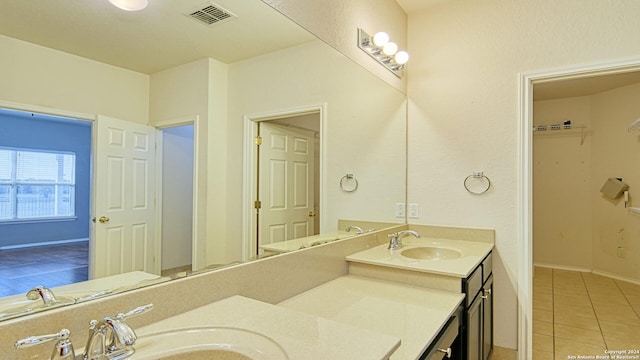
(431, 253)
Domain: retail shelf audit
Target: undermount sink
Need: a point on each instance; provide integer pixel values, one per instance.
(226, 343)
(431, 253)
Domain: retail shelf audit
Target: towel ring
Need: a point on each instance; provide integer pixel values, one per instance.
(348, 183)
(480, 176)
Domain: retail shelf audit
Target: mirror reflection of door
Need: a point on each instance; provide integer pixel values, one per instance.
(288, 177)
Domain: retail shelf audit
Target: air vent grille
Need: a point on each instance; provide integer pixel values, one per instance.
(210, 14)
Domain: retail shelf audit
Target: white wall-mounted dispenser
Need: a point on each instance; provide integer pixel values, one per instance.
(613, 188)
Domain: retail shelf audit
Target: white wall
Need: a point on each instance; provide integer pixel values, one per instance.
(365, 128)
(177, 198)
(36, 75)
(463, 74)
(337, 21)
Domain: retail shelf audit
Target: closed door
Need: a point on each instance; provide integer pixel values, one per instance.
(286, 183)
(124, 208)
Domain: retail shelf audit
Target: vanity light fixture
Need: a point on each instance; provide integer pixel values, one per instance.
(383, 51)
(130, 5)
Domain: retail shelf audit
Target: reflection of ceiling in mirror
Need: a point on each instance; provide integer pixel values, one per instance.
(154, 39)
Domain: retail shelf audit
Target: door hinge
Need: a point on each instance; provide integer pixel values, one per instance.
(258, 140)
(257, 204)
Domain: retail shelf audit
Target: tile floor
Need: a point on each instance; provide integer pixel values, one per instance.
(580, 313)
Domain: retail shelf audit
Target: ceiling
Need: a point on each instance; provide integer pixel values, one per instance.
(583, 86)
(154, 39)
(413, 6)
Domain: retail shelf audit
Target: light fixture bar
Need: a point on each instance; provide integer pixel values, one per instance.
(388, 59)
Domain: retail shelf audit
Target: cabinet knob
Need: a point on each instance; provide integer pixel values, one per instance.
(486, 293)
(446, 351)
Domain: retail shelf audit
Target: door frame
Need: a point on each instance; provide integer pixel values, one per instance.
(197, 242)
(250, 163)
(526, 81)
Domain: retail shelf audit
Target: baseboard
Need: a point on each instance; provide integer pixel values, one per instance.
(44, 243)
(596, 272)
(561, 267)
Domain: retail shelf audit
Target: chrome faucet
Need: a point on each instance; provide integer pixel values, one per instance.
(111, 338)
(44, 293)
(358, 229)
(395, 239)
(63, 349)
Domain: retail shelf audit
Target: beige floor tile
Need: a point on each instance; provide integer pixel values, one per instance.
(618, 328)
(579, 310)
(542, 327)
(621, 342)
(633, 299)
(572, 299)
(543, 343)
(541, 355)
(608, 298)
(588, 322)
(568, 290)
(543, 304)
(616, 313)
(566, 347)
(542, 296)
(628, 288)
(593, 337)
(543, 315)
(566, 274)
(542, 290)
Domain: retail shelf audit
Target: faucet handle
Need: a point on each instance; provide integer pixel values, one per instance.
(135, 312)
(62, 350)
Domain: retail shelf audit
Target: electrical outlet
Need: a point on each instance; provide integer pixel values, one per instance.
(621, 252)
(414, 211)
(400, 210)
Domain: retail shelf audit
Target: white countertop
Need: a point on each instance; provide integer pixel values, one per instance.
(302, 336)
(414, 314)
(472, 254)
(305, 242)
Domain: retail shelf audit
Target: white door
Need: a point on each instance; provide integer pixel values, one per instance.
(124, 208)
(286, 184)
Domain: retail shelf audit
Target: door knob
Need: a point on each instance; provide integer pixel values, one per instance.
(312, 213)
(103, 219)
(446, 351)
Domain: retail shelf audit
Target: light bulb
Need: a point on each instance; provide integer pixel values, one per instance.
(390, 48)
(380, 38)
(130, 5)
(401, 57)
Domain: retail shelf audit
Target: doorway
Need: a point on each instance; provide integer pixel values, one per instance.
(525, 196)
(45, 190)
(177, 193)
(283, 177)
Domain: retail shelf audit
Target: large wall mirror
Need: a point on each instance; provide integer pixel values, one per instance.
(331, 135)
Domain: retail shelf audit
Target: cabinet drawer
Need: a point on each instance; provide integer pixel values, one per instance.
(487, 267)
(444, 341)
(473, 284)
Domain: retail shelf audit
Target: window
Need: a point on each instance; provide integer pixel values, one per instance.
(36, 184)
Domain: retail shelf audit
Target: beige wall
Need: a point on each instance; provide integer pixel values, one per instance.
(336, 22)
(463, 89)
(365, 128)
(616, 153)
(562, 186)
(575, 226)
(35, 75)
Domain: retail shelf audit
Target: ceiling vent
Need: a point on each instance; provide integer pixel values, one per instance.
(210, 14)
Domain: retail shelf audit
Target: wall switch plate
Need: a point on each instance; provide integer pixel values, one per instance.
(400, 210)
(621, 252)
(414, 211)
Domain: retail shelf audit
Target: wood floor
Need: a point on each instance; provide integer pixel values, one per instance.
(52, 265)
